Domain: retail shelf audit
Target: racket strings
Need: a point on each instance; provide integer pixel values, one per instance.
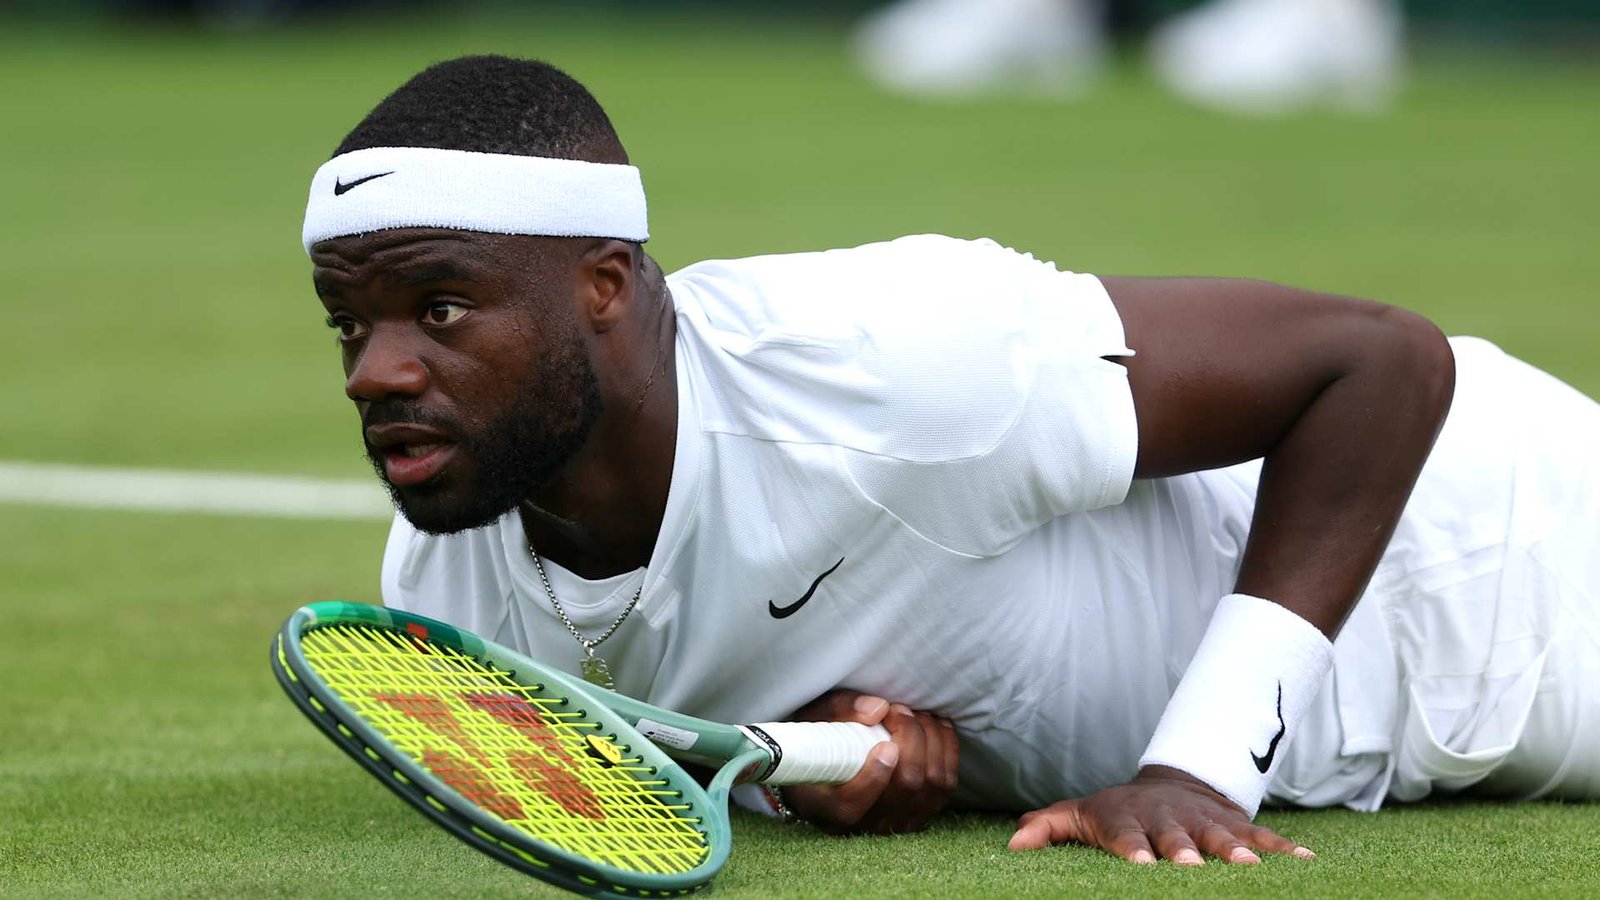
(524, 754)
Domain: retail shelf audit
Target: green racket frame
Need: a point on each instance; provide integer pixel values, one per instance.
(717, 744)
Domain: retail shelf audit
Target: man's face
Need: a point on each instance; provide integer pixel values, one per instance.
(464, 356)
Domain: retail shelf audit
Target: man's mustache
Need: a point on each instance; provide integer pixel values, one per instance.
(402, 412)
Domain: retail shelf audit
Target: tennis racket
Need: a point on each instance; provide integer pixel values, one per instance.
(548, 774)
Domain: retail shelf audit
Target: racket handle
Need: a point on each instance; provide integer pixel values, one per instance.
(820, 752)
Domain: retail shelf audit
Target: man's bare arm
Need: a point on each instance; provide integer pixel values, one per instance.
(1343, 399)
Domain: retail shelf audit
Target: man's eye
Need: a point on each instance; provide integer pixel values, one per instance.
(349, 329)
(443, 313)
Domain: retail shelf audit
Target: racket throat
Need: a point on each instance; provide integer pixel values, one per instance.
(774, 754)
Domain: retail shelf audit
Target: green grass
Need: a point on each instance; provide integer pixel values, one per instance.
(158, 314)
(148, 753)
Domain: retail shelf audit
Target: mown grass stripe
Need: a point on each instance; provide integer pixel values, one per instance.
(187, 491)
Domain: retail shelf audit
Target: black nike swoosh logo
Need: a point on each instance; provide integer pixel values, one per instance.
(784, 612)
(1263, 763)
(340, 187)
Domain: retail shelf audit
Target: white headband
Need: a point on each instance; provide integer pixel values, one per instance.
(414, 187)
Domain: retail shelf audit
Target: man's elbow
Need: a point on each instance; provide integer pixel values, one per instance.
(1417, 364)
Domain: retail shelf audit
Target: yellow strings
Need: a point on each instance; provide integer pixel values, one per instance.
(523, 755)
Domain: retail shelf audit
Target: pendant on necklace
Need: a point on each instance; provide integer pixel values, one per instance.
(595, 671)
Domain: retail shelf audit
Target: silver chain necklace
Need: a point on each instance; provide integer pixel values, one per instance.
(593, 668)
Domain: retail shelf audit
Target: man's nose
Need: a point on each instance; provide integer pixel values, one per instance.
(387, 367)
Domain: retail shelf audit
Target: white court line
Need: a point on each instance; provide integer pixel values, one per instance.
(180, 491)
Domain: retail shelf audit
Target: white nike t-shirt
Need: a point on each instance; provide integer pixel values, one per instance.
(906, 468)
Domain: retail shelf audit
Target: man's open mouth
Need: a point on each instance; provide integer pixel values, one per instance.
(411, 454)
(412, 464)
(416, 451)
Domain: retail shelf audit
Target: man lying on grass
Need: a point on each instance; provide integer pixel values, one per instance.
(1106, 528)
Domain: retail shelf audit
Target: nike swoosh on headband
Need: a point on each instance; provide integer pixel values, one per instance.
(339, 187)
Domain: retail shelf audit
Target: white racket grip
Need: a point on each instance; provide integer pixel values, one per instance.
(816, 752)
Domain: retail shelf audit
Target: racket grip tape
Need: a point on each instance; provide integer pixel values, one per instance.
(816, 752)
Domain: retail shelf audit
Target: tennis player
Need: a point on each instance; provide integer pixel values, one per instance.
(1159, 550)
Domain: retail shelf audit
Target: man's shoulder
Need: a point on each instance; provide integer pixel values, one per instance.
(930, 249)
(917, 292)
(923, 349)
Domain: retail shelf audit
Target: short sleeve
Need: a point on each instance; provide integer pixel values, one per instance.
(1071, 439)
(965, 386)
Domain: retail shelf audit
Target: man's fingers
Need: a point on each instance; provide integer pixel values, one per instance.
(841, 807)
(935, 774)
(906, 732)
(1058, 824)
(866, 709)
(1173, 842)
(1132, 844)
(933, 750)
(907, 779)
(1219, 841)
(1063, 823)
(944, 759)
(843, 705)
(937, 782)
(1155, 815)
(1269, 841)
(861, 792)
(952, 755)
(1032, 835)
(900, 807)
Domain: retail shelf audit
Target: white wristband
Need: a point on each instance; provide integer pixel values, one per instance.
(1251, 681)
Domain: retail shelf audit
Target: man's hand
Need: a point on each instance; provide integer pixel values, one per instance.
(1161, 813)
(904, 783)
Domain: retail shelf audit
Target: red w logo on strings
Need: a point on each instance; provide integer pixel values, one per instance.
(545, 767)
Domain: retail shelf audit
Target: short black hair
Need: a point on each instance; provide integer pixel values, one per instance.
(492, 104)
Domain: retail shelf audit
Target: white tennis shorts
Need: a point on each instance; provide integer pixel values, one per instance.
(1499, 648)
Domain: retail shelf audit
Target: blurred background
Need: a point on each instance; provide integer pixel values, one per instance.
(154, 157)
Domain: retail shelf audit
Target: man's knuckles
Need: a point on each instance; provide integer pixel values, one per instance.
(909, 778)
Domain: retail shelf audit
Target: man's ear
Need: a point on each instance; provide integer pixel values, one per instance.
(606, 281)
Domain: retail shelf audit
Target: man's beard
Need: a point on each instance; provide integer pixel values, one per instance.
(498, 466)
